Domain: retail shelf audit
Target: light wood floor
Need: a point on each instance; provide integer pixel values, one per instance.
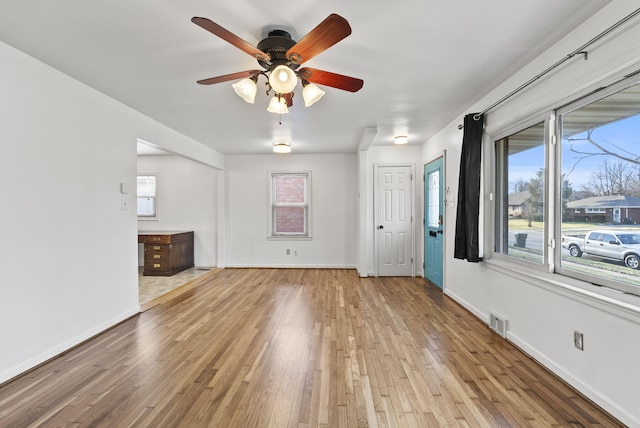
(297, 348)
(153, 290)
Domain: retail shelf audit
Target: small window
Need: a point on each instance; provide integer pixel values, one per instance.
(520, 190)
(147, 197)
(289, 205)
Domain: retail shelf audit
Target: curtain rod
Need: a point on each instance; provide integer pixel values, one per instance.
(580, 51)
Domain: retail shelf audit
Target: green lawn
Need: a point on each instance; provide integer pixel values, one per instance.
(520, 223)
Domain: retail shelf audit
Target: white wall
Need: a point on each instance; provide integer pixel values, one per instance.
(187, 193)
(68, 264)
(334, 205)
(543, 311)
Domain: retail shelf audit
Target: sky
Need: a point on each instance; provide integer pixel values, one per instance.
(625, 134)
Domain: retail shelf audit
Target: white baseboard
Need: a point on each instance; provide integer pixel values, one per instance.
(65, 346)
(287, 266)
(585, 389)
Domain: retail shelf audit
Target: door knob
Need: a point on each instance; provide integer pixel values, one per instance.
(381, 227)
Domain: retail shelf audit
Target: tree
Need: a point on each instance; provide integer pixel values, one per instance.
(619, 173)
(520, 185)
(599, 149)
(533, 205)
(567, 191)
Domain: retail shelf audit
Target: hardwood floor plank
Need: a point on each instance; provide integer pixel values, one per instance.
(297, 348)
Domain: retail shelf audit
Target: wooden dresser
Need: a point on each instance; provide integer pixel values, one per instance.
(166, 253)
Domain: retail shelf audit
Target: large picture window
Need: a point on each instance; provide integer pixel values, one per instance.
(600, 198)
(289, 205)
(567, 190)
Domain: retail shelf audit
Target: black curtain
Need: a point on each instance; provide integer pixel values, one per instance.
(467, 218)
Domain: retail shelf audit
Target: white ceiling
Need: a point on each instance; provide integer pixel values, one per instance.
(423, 62)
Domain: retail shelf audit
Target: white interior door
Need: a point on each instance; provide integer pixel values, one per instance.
(394, 221)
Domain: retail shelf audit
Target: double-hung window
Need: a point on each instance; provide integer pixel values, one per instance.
(147, 201)
(569, 176)
(289, 205)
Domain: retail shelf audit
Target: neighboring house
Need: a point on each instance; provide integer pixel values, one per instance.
(604, 209)
(516, 203)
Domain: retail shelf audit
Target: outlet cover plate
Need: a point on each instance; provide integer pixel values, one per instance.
(578, 340)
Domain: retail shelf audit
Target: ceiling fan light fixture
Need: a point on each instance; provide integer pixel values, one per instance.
(282, 147)
(246, 89)
(278, 105)
(283, 79)
(311, 93)
(401, 139)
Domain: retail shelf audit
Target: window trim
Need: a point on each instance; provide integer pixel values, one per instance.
(492, 212)
(599, 288)
(270, 206)
(156, 216)
(598, 94)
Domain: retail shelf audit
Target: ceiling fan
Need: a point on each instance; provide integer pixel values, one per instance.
(280, 56)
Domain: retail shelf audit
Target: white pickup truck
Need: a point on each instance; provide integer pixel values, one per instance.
(623, 245)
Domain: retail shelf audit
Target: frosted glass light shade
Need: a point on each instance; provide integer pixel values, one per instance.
(283, 79)
(401, 139)
(246, 89)
(278, 105)
(311, 93)
(282, 147)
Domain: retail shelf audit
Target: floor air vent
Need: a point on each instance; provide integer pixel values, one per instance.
(498, 324)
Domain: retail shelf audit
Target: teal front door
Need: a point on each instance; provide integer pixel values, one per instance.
(433, 222)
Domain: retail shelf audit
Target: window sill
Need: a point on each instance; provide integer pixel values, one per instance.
(613, 301)
(289, 238)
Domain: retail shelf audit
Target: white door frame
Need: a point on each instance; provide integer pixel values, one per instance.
(376, 199)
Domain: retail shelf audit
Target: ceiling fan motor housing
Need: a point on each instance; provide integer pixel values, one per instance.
(276, 44)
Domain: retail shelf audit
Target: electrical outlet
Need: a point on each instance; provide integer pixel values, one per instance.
(295, 252)
(288, 252)
(578, 340)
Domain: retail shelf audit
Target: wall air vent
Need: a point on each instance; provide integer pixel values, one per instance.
(498, 324)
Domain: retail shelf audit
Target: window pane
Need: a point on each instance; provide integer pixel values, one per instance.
(146, 185)
(289, 220)
(520, 160)
(146, 207)
(433, 213)
(601, 189)
(289, 189)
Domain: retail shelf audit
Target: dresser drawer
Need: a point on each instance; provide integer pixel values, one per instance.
(154, 239)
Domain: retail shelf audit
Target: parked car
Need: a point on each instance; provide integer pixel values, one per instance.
(620, 245)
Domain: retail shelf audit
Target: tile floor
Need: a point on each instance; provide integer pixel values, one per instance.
(152, 287)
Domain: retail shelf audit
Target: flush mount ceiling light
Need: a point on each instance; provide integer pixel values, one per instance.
(280, 56)
(401, 139)
(282, 147)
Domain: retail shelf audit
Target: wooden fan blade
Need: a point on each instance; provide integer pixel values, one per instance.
(329, 32)
(228, 36)
(227, 77)
(334, 80)
(289, 98)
